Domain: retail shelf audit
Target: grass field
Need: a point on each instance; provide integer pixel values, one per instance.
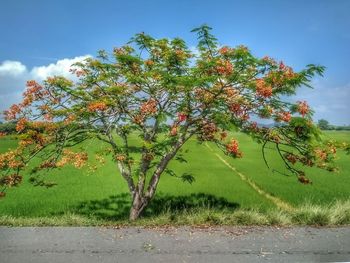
(218, 183)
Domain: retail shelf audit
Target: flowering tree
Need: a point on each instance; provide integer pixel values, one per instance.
(164, 92)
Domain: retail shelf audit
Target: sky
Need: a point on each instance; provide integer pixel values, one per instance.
(40, 38)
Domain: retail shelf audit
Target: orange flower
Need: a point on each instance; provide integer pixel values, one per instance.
(231, 92)
(285, 116)
(224, 67)
(69, 119)
(224, 50)
(77, 159)
(233, 148)
(138, 119)
(282, 66)
(321, 154)
(303, 108)
(236, 108)
(97, 106)
(120, 157)
(21, 124)
(149, 107)
(262, 89)
(181, 116)
(332, 149)
(173, 130)
(149, 62)
(12, 112)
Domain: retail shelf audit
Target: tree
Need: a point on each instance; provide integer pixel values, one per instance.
(323, 124)
(166, 93)
(7, 128)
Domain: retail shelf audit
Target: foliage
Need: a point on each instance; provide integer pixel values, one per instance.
(168, 94)
(7, 128)
(323, 124)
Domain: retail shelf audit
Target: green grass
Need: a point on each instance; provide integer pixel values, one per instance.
(92, 199)
(326, 188)
(331, 215)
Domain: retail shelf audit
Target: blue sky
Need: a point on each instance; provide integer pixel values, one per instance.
(39, 38)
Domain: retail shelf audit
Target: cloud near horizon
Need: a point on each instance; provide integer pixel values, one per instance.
(14, 74)
(329, 103)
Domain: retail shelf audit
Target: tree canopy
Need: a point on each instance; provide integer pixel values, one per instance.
(323, 124)
(166, 93)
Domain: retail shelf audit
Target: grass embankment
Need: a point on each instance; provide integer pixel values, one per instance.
(218, 195)
(332, 215)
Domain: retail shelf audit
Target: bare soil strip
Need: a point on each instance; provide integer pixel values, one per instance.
(277, 201)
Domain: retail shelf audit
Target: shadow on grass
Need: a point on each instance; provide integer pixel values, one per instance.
(117, 207)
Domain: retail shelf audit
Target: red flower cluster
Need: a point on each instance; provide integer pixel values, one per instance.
(303, 108)
(226, 50)
(239, 110)
(285, 116)
(149, 107)
(224, 67)
(236, 108)
(262, 89)
(181, 116)
(233, 148)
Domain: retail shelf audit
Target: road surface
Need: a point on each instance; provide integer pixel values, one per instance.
(222, 244)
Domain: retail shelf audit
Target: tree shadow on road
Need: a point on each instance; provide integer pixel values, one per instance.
(117, 207)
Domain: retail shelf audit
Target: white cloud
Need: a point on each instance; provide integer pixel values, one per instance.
(12, 68)
(328, 102)
(13, 76)
(60, 68)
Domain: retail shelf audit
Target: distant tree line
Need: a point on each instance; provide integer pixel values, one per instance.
(325, 125)
(8, 127)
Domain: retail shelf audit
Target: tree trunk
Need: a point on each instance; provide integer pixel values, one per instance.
(138, 205)
(141, 200)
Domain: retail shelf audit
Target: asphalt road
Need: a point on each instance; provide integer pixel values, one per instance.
(234, 244)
